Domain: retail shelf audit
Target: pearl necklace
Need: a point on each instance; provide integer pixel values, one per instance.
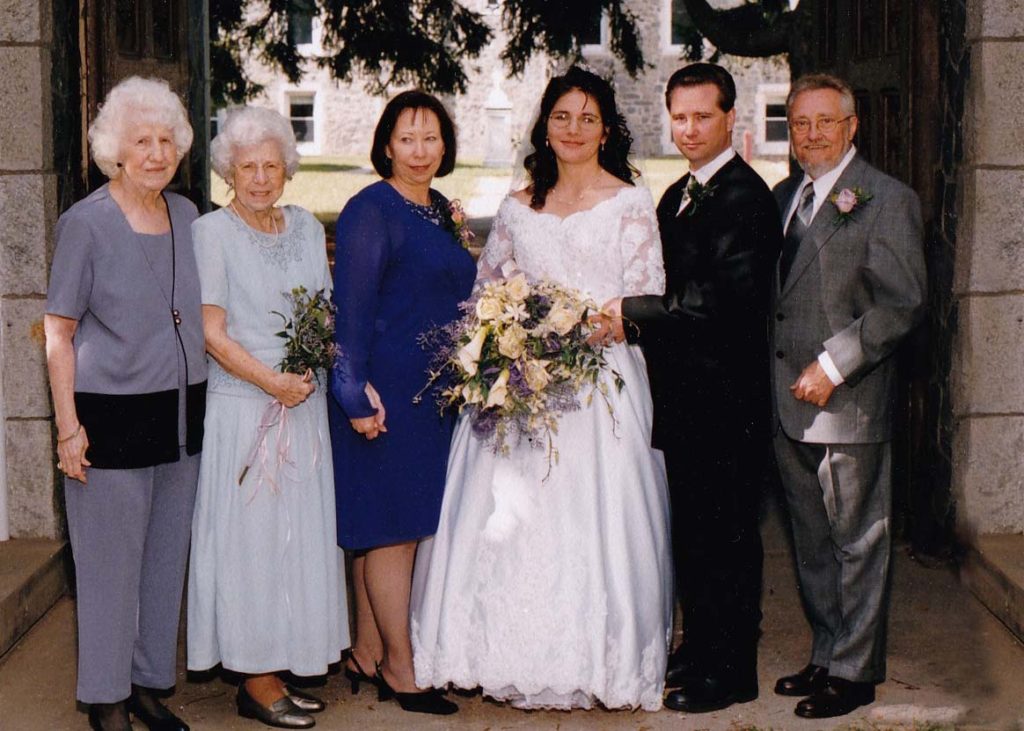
(273, 220)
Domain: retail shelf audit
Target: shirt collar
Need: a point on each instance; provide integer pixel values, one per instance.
(824, 183)
(706, 172)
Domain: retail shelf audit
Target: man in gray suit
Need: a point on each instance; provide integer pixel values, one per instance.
(850, 286)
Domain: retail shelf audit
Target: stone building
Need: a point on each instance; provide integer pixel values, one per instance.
(976, 182)
(338, 118)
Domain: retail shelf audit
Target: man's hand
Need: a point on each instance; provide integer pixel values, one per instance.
(608, 324)
(813, 385)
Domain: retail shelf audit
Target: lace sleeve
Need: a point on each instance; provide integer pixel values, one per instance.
(498, 258)
(640, 242)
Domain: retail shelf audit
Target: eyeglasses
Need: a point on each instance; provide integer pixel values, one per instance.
(269, 169)
(823, 124)
(586, 121)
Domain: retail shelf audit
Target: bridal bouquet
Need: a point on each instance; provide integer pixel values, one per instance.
(309, 346)
(517, 359)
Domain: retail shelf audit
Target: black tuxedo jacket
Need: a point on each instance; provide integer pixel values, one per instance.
(706, 338)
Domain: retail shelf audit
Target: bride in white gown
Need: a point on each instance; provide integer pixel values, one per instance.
(556, 592)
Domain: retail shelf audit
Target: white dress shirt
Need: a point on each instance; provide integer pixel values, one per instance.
(822, 187)
(705, 173)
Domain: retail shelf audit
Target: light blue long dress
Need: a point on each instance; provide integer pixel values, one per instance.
(266, 579)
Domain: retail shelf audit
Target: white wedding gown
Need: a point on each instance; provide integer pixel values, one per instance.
(557, 592)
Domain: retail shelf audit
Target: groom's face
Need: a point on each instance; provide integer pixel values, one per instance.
(700, 129)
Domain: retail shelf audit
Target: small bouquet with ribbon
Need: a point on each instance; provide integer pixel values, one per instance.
(518, 359)
(309, 348)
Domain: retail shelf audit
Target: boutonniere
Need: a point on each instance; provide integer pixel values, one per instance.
(698, 194)
(459, 224)
(847, 201)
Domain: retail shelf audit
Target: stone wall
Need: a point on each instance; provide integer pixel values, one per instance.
(346, 114)
(987, 383)
(28, 202)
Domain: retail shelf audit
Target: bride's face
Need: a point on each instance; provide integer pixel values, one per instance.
(575, 128)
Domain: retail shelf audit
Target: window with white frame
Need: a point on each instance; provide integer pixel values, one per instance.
(772, 131)
(300, 21)
(595, 32)
(302, 115)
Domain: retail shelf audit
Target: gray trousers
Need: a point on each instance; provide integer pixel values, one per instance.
(130, 533)
(840, 503)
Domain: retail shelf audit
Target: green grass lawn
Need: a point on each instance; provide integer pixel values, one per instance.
(324, 184)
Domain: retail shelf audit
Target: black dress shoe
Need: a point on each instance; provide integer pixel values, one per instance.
(682, 665)
(837, 698)
(710, 693)
(808, 681)
(109, 717)
(427, 701)
(145, 705)
(306, 701)
(282, 713)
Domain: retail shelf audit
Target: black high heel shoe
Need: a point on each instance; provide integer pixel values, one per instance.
(355, 677)
(426, 701)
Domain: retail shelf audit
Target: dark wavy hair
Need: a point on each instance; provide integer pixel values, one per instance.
(541, 163)
(412, 99)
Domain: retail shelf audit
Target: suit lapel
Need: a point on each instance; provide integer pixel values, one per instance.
(824, 226)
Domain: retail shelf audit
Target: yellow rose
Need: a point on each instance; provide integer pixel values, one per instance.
(518, 288)
(562, 319)
(499, 390)
(537, 376)
(512, 342)
(488, 308)
(469, 354)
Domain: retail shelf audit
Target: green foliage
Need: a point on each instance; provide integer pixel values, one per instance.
(392, 43)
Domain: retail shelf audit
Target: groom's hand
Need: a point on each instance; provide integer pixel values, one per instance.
(608, 324)
(813, 385)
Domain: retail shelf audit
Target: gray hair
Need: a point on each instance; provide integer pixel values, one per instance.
(814, 82)
(248, 126)
(136, 100)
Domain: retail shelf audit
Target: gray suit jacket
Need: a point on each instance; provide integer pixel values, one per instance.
(855, 290)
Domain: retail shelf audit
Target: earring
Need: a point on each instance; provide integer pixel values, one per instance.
(602, 147)
(547, 142)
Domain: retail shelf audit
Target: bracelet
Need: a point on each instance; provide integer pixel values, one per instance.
(74, 434)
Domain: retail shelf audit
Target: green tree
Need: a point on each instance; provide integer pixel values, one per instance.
(398, 42)
(758, 28)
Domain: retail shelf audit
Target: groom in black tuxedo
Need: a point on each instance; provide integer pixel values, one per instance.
(706, 345)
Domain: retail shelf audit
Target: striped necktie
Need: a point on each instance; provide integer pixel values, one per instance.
(798, 226)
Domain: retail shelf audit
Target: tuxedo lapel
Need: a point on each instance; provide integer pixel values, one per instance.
(823, 228)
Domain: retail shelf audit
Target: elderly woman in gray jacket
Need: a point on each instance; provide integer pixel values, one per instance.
(124, 347)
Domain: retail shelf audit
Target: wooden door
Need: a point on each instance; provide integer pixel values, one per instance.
(149, 38)
(888, 50)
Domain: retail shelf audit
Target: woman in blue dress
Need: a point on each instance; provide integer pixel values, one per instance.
(400, 271)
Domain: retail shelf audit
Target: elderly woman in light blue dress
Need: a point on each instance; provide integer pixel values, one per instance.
(266, 578)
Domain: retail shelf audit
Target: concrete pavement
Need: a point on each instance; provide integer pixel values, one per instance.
(951, 665)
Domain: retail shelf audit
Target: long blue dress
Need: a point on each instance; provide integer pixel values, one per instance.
(397, 274)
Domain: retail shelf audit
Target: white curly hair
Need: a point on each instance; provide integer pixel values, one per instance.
(135, 100)
(248, 126)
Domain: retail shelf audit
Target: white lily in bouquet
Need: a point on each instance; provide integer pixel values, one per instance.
(517, 359)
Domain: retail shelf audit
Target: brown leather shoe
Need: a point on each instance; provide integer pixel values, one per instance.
(808, 681)
(837, 698)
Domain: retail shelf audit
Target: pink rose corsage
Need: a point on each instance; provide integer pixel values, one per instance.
(847, 202)
(460, 223)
